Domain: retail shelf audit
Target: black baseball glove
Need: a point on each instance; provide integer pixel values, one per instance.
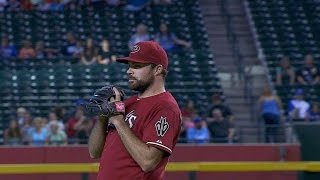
(100, 103)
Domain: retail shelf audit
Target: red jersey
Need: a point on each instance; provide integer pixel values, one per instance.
(156, 120)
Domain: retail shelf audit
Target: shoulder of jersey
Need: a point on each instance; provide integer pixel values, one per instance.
(168, 103)
(130, 100)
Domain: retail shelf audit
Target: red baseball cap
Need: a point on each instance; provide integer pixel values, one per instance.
(147, 52)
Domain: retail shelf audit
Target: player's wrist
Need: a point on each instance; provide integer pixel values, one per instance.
(117, 119)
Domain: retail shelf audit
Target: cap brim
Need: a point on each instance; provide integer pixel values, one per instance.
(127, 59)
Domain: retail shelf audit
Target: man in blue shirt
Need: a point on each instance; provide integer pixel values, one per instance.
(7, 50)
(199, 133)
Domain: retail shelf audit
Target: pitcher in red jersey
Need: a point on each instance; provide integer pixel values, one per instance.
(138, 145)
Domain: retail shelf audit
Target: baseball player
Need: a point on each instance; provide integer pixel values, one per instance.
(135, 137)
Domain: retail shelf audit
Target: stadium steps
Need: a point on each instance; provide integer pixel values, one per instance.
(226, 63)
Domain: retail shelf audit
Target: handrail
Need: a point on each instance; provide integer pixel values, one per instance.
(243, 75)
(257, 44)
(243, 166)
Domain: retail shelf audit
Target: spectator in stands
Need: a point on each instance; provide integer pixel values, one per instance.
(168, 40)
(97, 3)
(189, 110)
(13, 135)
(53, 119)
(72, 46)
(60, 113)
(72, 5)
(270, 107)
(45, 5)
(136, 5)
(221, 129)
(50, 5)
(140, 35)
(314, 112)
(26, 128)
(198, 134)
(13, 5)
(309, 74)
(21, 115)
(3, 4)
(105, 55)
(298, 108)
(36, 3)
(84, 131)
(113, 2)
(79, 49)
(26, 5)
(27, 50)
(7, 50)
(56, 5)
(39, 133)
(217, 103)
(56, 136)
(285, 73)
(40, 51)
(162, 2)
(75, 122)
(188, 113)
(187, 123)
(90, 53)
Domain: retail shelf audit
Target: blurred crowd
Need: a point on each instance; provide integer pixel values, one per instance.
(59, 5)
(89, 51)
(307, 74)
(57, 128)
(214, 126)
(61, 127)
(277, 119)
(299, 108)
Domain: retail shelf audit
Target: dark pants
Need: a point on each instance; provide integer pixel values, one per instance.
(272, 127)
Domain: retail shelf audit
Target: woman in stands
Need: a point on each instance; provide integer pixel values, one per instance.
(105, 55)
(270, 107)
(90, 53)
(168, 40)
(38, 135)
(13, 135)
(285, 73)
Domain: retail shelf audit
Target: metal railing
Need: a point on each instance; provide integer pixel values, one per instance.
(258, 47)
(243, 75)
(278, 133)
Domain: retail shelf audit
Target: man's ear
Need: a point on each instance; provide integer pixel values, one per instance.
(158, 70)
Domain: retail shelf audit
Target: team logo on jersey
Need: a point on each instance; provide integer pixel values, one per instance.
(130, 118)
(135, 49)
(162, 126)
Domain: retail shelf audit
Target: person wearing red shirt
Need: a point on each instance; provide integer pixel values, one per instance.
(137, 146)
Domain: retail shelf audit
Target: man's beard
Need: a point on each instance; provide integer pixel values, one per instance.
(141, 85)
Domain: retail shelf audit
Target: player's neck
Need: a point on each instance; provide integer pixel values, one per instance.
(154, 89)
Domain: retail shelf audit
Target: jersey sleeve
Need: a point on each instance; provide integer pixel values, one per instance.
(163, 129)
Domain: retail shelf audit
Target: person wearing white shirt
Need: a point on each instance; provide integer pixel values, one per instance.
(298, 107)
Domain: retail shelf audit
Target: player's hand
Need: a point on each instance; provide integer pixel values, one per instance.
(116, 98)
(117, 95)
